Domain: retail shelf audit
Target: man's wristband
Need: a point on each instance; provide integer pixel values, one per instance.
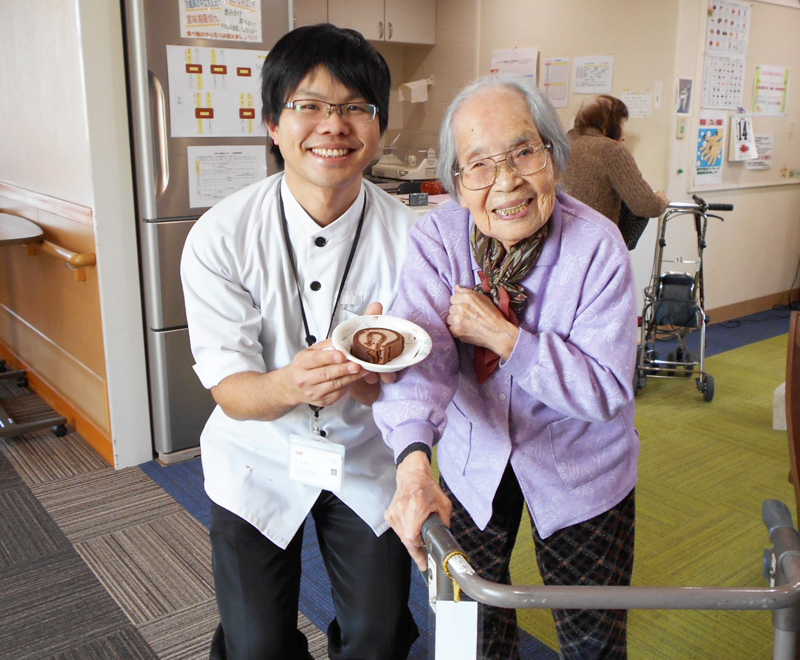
(414, 446)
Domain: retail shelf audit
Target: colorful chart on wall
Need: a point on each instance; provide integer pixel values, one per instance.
(215, 92)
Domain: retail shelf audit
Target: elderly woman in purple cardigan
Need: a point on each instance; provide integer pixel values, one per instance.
(528, 296)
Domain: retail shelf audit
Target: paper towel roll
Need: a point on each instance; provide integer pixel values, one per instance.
(415, 91)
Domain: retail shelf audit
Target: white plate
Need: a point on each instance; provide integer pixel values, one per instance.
(417, 341)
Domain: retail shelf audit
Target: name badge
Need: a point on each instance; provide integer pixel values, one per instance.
(316, 462)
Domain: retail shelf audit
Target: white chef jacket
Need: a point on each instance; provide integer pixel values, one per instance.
(243, 315)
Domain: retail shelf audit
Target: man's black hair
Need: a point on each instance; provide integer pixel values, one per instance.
(345, 53)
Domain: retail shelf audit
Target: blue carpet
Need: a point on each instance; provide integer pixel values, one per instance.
(184, 482)
(728, 335)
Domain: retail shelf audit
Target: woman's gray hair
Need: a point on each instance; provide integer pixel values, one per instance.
(547, 123)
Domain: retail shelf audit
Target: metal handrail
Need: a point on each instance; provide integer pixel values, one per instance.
(784, 598)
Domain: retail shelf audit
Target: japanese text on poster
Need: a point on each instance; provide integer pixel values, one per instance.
(232, 20)
(214, 92)
(592, 74)
(556, 81)
(216, 172)
(519, 60)
(764, 147)
(640, 104)
(710, 148)
(770, 90)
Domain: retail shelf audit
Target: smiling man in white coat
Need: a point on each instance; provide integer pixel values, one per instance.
(267, 274)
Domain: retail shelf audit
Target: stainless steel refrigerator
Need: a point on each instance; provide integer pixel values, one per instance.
(179, 404)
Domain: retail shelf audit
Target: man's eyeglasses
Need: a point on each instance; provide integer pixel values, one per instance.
(314, 110)
(525, 160)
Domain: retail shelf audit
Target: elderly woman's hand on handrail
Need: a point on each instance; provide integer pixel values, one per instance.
(417, 497)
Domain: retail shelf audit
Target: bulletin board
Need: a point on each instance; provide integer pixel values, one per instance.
(773, 41)
(641, 42)
(645, 44)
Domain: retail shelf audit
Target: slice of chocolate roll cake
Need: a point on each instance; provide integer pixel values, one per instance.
(377, 345)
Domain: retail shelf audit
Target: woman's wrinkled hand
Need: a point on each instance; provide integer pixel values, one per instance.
(474, 319)
(416, 498)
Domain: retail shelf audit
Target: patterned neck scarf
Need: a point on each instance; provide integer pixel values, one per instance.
(501, 272)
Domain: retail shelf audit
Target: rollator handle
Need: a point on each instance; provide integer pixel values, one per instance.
(711, 207)
(433, 521)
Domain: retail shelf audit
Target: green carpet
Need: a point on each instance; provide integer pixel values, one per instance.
(704, 472)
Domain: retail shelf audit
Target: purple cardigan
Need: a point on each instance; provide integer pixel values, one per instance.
(561, 408)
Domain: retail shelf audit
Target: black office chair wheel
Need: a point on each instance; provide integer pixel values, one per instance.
(59, 431)
(22, 381)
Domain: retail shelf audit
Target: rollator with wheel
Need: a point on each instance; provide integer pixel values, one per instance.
(673, 306)
(456, 590)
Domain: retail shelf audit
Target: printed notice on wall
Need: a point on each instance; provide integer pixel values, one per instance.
(556, 81)
(214, 92)
(728, 27)
(640, 104)
(519, 60)
(216, 172)
(231, 20)
(770, 89)
(764, 146)
(723, 82)
(592, 74)
(710, 147)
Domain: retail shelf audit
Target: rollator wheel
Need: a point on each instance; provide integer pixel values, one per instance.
(706, 386)
(639, 381)
(653, 357)
(639, 378)
(689, 359)
(59, 431)
(672, 356)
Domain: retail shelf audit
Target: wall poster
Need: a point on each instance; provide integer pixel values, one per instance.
(231, 20)
(215, 92)
(592, 74)
(556, 81)
(770, 90)
(710, 147)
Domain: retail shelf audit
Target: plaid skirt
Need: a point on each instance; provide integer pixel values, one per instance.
(596, 552)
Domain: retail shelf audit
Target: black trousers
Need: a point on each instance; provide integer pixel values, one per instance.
(258, 588)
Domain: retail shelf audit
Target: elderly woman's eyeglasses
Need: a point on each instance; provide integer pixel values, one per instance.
(314, 110)
(525, 160)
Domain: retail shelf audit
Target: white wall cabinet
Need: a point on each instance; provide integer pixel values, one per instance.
(399, 21)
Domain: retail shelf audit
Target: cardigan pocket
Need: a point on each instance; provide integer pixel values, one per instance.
(583, 451)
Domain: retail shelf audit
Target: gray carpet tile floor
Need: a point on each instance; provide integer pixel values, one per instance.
(98, 563)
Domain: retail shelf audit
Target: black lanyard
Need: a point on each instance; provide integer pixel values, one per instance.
(311, 339)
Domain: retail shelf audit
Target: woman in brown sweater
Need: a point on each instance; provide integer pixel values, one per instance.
(600, 171)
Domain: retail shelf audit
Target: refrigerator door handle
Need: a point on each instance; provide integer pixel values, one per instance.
(160, 102)
(141, 109)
